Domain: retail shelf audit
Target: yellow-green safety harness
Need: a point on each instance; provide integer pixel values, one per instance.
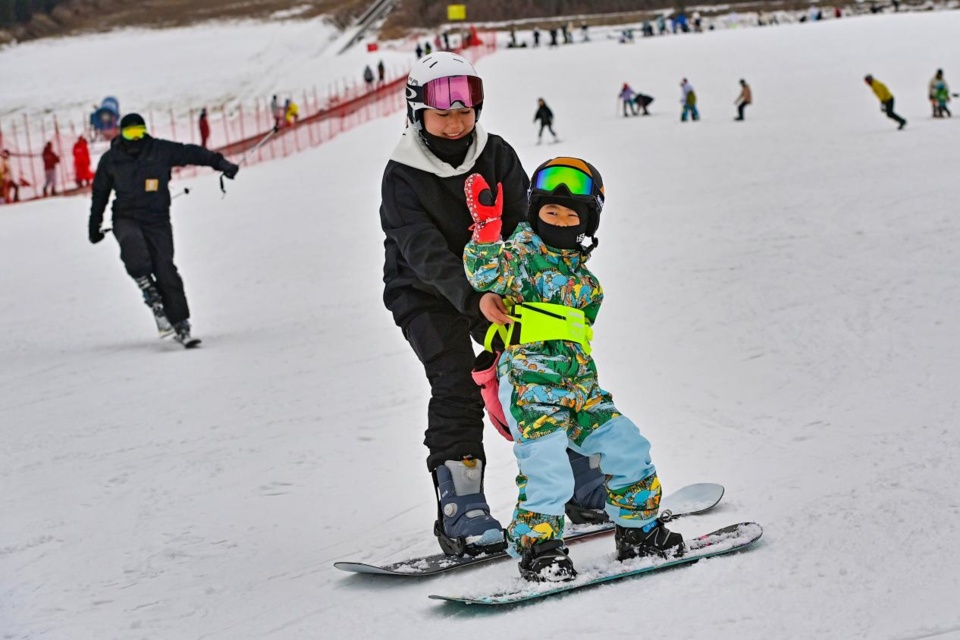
(541, 321)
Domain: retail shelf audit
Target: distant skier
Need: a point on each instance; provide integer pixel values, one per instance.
(137, 167)
(643, 101)
(291, 112)
(745, 98)
(81, 162)
(368, 77)
(627, 96)
(203, 123)
(545, 116)
(548, 380)
(278, 111)
(939, 95)
(50, 162)
(9, 187)
(689, 101)
(886, 99)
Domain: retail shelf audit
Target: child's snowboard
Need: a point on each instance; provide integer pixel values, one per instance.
(727, 540)
(686, 501)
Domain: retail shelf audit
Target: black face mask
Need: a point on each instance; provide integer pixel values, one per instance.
(561, 237)
(453, 152)
(134, 147)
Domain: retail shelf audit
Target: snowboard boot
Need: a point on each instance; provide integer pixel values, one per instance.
(183, 332)
(651, 540)
(464, 524)
(547, 562)
(152, 298)
(589, 493)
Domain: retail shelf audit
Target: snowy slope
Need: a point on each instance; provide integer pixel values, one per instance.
(782, 317)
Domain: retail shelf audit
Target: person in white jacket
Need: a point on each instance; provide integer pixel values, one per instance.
(689, 101)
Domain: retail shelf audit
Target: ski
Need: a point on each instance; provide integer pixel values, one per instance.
(686, 501)
(723, 541)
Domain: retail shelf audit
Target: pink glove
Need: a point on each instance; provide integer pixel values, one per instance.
(485, 210)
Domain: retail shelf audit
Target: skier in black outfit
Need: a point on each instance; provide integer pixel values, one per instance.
(425, 218)
(137, 167)
(545, 116)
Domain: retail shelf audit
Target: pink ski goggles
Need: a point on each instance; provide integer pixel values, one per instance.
(453, 92)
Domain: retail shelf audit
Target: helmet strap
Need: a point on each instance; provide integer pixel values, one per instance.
(586, 251)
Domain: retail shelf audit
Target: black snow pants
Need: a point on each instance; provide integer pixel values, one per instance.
(888, 109)
(147, 248)
(441, 340)
(546, 125)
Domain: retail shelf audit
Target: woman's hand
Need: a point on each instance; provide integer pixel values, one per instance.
(493, 309)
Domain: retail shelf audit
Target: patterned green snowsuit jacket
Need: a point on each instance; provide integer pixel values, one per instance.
(552, 396)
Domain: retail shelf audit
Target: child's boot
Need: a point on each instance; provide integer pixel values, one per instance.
(654, 539)
(547, 562)
(464, 524)
(589, 493)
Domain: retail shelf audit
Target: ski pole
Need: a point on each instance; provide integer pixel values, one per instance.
(183, 192)
(259, 144)
(262, 141)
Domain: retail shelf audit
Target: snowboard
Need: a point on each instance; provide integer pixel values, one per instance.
(686, 501)
(722, 541)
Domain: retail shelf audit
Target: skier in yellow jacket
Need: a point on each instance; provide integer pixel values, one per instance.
(886, 99)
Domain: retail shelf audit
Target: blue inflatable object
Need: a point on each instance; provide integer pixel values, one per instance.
(107, 117)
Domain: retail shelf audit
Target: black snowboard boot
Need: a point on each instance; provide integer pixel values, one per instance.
(547, 562)
(183, 331)
(589, 492)
(152, 298)
(651, 540)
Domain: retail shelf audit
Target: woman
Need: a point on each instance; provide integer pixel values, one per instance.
(425, 218)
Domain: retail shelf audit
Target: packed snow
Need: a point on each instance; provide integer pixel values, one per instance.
(782, 317)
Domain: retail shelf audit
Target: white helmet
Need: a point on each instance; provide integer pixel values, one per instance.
(442, 80)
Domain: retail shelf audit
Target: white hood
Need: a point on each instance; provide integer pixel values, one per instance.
(413, 152)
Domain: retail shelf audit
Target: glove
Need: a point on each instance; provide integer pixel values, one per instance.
(485, 209)
(94, 232)
(228, 168)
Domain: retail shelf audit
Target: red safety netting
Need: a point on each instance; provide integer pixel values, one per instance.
(240, 130)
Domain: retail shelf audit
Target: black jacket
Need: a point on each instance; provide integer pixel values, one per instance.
(427, 224)
(142, 181)
(544, 115)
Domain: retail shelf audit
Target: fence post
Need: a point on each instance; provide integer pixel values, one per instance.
(257, 127)
(56, 136)
(243, 135)
(33, 167)
(313, 141)
(226, 130)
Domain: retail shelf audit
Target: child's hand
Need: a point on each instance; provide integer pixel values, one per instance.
(493, 309)
(485, 209)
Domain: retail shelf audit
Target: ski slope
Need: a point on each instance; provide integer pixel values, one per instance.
(782, 317)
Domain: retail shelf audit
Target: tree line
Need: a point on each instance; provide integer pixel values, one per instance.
(14, 12)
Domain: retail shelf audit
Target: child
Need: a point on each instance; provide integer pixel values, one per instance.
(943, 97)
(548, 381)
